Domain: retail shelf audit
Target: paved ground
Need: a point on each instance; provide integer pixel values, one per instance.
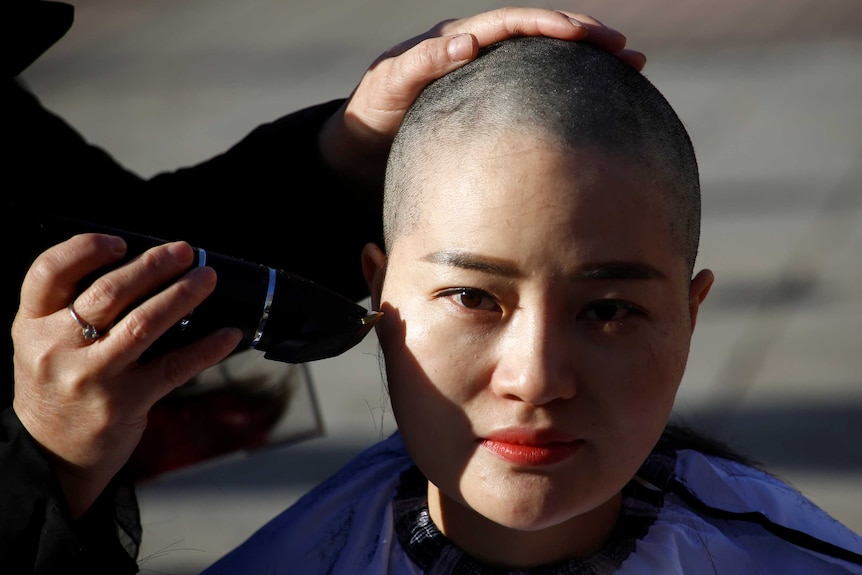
(771, 98)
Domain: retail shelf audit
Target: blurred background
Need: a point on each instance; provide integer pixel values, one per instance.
(770, 93)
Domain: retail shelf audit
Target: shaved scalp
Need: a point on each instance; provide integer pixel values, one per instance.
(572, 93)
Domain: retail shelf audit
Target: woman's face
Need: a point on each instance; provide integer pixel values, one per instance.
(536, 327)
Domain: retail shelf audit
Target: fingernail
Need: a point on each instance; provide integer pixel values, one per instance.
(205, 275)
(577, 23)
(460, 47)
(636, 60)
(117, 244)
(617, 32)
(181, 251)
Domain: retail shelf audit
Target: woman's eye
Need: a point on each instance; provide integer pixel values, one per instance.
(471, 298)
(609, 310)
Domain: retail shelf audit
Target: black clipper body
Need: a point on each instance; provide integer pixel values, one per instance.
(287, 317)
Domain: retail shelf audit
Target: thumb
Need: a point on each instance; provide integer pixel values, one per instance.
(425, 62)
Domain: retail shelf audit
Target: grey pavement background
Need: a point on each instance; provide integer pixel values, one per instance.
(770, 92)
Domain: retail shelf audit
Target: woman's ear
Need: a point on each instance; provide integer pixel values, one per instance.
(698, 291)
(374, 270)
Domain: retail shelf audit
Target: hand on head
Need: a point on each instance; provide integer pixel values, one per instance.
(85, 401)
(356, 140)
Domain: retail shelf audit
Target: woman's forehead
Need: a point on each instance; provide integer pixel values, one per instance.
(525, 200)
(517, 178)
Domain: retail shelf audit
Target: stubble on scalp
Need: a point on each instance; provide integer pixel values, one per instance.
(570, 93)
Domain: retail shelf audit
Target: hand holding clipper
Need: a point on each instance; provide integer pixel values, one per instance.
(289, 318)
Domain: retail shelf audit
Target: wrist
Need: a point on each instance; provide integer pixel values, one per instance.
(353, 151)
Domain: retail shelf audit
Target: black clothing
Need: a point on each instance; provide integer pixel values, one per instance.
(269, 199)
(37, 534)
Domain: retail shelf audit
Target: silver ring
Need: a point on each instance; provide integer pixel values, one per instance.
(89, 331)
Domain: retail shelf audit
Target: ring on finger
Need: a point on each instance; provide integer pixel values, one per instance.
(88, 330)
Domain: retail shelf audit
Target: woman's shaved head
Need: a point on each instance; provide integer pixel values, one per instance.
(569, 93)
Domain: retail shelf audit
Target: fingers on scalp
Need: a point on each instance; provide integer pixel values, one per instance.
(461, 47)
(435, 57)
(583, 18)
(633, 58)
(537, 21)
(501, 23)
(428, 56)
(410, 72)
(599, 34)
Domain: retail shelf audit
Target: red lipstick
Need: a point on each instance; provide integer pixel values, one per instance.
(530, 449)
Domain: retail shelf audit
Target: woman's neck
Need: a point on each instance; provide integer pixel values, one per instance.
(499, 546)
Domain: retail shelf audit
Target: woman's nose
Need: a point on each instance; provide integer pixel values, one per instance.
(536, 363)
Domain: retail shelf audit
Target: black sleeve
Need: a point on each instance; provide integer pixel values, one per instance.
(268, 199)
(37, 534)
(271, 199)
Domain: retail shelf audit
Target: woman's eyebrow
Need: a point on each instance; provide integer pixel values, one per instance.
(469, 261)
(618, 271)
(593, 271)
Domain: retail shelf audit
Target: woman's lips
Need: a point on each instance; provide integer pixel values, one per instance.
(531, 453)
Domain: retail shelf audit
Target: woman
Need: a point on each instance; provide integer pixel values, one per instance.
(539, 294)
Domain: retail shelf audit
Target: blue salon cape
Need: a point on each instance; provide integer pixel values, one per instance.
(345, 526)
